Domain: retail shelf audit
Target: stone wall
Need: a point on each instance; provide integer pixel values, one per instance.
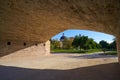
(47, 47)
(118, 47)
(24, 48)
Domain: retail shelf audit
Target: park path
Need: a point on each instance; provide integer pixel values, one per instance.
(60, 66)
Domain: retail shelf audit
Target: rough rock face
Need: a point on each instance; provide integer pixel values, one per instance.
(39, 20)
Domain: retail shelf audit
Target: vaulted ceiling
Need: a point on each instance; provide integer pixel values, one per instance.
(39, 20)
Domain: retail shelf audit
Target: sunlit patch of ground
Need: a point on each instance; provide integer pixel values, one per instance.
(61, 61)
(60, 67)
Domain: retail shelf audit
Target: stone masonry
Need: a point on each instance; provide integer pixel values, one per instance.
(39, 20)
(22, 48)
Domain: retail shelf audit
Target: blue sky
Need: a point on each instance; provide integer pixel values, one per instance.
(97, 36)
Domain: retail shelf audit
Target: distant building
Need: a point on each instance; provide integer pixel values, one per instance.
(63, 41)
(71, 39)
(62, 38)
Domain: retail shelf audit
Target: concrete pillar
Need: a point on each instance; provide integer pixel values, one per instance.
(118, 47)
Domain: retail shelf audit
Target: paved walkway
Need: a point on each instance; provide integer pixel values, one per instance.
(60, 66)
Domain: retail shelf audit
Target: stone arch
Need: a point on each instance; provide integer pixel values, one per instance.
(38, 20)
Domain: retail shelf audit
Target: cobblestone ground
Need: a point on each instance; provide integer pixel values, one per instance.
(60, 66)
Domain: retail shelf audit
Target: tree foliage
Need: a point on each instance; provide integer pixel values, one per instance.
(55, 44)
(113, 45)
(106, 46)
(84, 42)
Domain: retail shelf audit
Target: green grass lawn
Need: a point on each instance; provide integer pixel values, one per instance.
(87, 52)
(111, 53)
(75, 51)
(65, 51)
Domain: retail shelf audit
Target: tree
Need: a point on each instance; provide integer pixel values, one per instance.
(76, 42)
(84, 42)
(113, 45)
(55, 44)
(92, 44)
(104, 45)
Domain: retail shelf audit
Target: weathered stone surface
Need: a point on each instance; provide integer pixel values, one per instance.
(118, 47)
(21, 48)
(33, 20)
(39, 20)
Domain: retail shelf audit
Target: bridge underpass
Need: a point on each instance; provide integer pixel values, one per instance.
(30, 23)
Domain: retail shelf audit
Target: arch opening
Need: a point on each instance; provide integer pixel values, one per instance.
(65, 42)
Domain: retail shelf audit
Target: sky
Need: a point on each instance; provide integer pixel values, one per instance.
(97, 36)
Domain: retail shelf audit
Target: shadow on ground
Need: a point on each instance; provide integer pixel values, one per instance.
(92, 56)
(99, 72)
(89, 56)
